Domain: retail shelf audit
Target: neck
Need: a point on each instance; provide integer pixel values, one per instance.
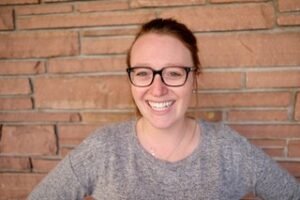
(165, 143)
(164, 135)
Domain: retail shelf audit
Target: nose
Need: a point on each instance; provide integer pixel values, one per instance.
(158, 88)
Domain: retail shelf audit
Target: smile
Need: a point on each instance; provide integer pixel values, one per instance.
(160, 106)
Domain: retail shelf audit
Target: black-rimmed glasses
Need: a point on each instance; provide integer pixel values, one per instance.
(170, 76)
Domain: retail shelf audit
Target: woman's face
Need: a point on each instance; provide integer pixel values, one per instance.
(162, 106)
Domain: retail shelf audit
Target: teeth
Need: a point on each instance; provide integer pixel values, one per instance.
(160, 105)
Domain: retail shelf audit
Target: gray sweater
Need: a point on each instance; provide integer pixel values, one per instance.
(111, 164)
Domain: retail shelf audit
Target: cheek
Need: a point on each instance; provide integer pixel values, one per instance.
(137, 94)
(187, 93)
(133, 94)
(187, 96)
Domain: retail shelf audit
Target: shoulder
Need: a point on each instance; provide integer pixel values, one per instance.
(107, 136)
(90, 157)
(231, 150)
(222, 132)
(230, 144)
(227, 142)
(103, 142)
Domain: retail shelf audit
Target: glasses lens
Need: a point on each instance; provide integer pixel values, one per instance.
(171, 76)
(174, 76)
(141, 76)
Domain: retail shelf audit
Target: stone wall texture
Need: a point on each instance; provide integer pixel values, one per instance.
(62, 75)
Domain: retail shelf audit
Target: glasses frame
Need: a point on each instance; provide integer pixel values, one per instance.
(159, 72)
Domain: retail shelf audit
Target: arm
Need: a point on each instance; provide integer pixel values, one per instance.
(73, 177)
(271, 181)
(61, 183)
(262, 175)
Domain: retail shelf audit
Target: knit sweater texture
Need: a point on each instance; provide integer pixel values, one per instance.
(111, 164)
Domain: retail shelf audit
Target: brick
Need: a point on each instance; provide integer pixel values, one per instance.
(30, 139)
(106, 117)
(294, 148)
(19, 185)
(84, 19)
(239, 17)
(273, 79)
(219, 80)
(104, 64)
(103, 92)
(110, 31)
(6, 19)
(257, 115)
(106, 45)
(20, 103)
(9, 163)
(52, 1)
(102, 6)
(274, 152)
(244, 99)
(250, 196)
(232, 1)
(214, 116)
(74, 134)
(63, 151)
(288, 20)
(159, 3)
(297, 107)
(38, 44)
(292, 167)
(21, 67)
(39, 117)
(288, 5)
(266, 131)
(14, 86)
(44, 9)
(12, 2)
(89, 198)
(268, 143)
(43, 165)
(249, 49)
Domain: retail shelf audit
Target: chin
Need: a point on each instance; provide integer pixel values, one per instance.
(161, 122)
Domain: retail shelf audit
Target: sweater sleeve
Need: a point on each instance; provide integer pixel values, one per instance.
(61, 183)
(271, 181)
(75, 176)
(266, 178)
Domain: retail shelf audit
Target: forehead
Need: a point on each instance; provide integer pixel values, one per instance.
(160, 50)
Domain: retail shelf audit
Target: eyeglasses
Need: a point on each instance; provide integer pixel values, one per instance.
(170, 76)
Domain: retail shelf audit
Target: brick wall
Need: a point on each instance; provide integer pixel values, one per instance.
(62, 75)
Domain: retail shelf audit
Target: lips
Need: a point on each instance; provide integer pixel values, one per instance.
(160, 106)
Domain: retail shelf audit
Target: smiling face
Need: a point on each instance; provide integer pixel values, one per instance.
(160, 105)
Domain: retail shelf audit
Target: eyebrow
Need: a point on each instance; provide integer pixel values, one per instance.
(167, 65)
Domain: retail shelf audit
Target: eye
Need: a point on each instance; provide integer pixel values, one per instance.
(174, 73)
(142, 72)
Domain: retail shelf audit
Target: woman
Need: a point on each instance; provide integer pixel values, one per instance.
(164, 154)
